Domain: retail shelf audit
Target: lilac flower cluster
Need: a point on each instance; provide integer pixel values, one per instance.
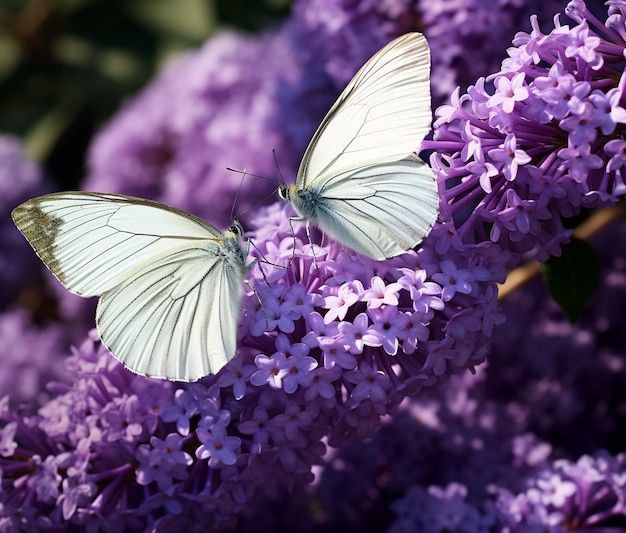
(542, 138)
(468, 37)
(559, 496)
(516, 447)
(375, 331)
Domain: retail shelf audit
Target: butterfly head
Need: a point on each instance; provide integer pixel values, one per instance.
(286, 192)
(235, 231)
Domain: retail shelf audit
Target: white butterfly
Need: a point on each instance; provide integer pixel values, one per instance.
(359, 181)
(170, 285)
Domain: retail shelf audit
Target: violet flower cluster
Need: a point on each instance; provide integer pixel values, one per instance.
(532, 442)
(542, 138)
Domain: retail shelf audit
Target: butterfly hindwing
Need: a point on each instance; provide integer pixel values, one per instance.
(367, 209)
(175, 317)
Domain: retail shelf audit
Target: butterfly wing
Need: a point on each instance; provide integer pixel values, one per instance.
(367, 209)
(175, 317)
(170, 283)
(381, 116)
(90, 240)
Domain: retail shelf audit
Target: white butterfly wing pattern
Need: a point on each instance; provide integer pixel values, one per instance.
(170, 284)
(359, 180)
(381, 210)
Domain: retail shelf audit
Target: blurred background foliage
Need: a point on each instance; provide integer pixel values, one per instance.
(67, 65)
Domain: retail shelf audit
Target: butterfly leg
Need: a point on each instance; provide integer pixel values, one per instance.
(308, 236)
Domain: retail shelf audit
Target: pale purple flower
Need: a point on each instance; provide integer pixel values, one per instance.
(298, 369)
(610, 112)
(217, 445)
(335, 354)
(77, 491)
(381, 293)
(297, 301)
(509, 156)
(579, 161)
(389, 325)
(338, 304)
(271, 370)
(369, 383)
(294, 421)
(236, 375)
(508, 92)
(581, 44)
(258, 427)
(319, 330)
(322, 383)
(357, 334)
(453, 280)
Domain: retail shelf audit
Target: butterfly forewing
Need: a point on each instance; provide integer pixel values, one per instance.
(381, 116)
(170, 284)
(90, 241)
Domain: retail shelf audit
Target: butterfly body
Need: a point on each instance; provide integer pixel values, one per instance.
(359, 180)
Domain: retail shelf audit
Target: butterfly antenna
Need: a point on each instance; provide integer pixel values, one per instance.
(245, 173)
(243, 177)
(282, 178)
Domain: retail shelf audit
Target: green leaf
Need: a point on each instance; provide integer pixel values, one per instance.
(573, 277)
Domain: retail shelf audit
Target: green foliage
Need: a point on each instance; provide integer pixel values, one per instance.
(67, 65)
(573, 277)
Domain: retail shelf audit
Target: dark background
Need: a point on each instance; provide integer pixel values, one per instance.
(66, 66)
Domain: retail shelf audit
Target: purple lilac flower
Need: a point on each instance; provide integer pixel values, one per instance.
(30, 357)
(20, 179)
(468, 37)
(515, 446)
(550, 127)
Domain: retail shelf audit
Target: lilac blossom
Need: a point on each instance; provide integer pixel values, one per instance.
(20, 179)
(513, 448)
(30, 357)
(555, 116)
